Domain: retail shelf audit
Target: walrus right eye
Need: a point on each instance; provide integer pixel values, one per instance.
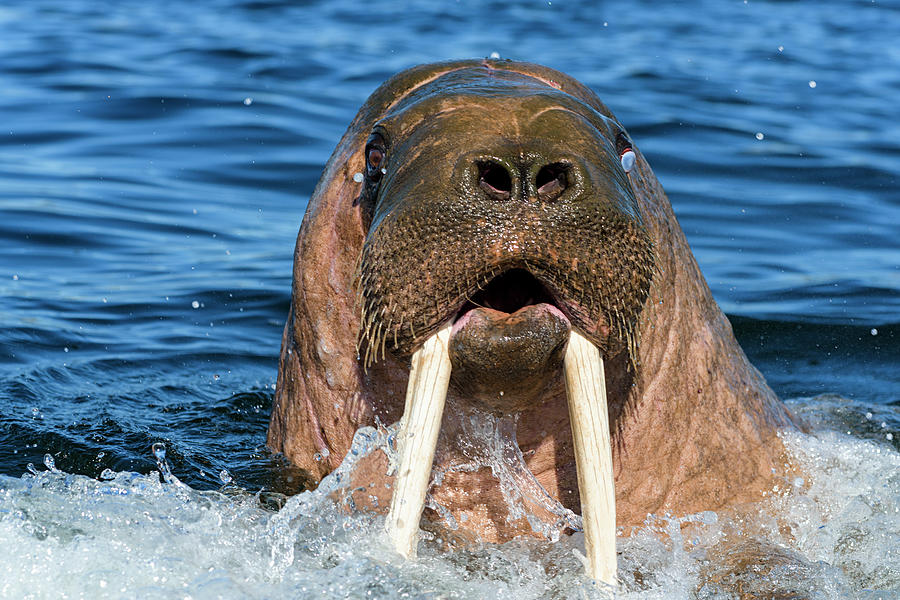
(375, 157)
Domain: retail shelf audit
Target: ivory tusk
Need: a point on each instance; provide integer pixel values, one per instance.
(426, 393)
(586, 392)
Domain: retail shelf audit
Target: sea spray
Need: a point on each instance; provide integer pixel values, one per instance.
(835, 534)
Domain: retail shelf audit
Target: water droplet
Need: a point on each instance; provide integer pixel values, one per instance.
(15, 277)
(216, 377)
(358, 177)
(495, 55)
(627, 160)
(35, 412)
(781, 48)
(812, 83)
(384, 171)
(107, 474)
(317, 457)
(889, 436)
(49, 462)
(869, 415)
(874, 331)
(248, 101)
(759, 135)
(159, 451)
(195, 304)
(66, 349)
(225, 476)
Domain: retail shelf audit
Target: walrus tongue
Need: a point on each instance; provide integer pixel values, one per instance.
(586, 390)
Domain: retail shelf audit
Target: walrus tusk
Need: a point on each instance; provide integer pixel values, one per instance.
(586, 392)
(425, 396)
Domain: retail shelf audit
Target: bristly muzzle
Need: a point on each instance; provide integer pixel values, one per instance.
(417, 270)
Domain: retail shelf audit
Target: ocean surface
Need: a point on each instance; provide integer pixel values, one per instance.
(156, 159)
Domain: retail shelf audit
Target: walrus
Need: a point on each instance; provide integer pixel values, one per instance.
(487, 223)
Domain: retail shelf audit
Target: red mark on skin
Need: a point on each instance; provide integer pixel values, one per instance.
(487, 65)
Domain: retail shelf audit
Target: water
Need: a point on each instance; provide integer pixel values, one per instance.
(155, 163)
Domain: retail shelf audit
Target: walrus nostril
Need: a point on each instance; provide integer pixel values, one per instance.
(494, 179)
(551, 181)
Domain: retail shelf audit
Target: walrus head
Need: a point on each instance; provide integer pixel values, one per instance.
(476, 223)
(506, 212)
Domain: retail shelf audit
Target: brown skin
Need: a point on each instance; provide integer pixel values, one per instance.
(390, 260)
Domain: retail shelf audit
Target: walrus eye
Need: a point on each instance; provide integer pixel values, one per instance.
(626, 154)
(375, 157)
(628, 159)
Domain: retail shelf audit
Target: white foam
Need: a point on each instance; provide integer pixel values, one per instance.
(132, 536)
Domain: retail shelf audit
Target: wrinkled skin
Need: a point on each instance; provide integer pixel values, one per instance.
(510, 170)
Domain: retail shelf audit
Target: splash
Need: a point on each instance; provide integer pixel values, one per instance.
(490, 441)
(832, 532)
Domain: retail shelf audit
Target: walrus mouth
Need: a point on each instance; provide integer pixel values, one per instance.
(509, 292)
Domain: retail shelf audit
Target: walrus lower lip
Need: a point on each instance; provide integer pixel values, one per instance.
(504, 362)
(497, 317)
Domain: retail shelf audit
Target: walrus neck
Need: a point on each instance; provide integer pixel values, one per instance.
(690, 372)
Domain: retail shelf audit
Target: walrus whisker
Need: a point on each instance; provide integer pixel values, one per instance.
(426, 394)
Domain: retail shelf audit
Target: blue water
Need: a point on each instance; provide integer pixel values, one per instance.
(156, 159)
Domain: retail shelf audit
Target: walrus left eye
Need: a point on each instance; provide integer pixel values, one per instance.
(626, 154)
